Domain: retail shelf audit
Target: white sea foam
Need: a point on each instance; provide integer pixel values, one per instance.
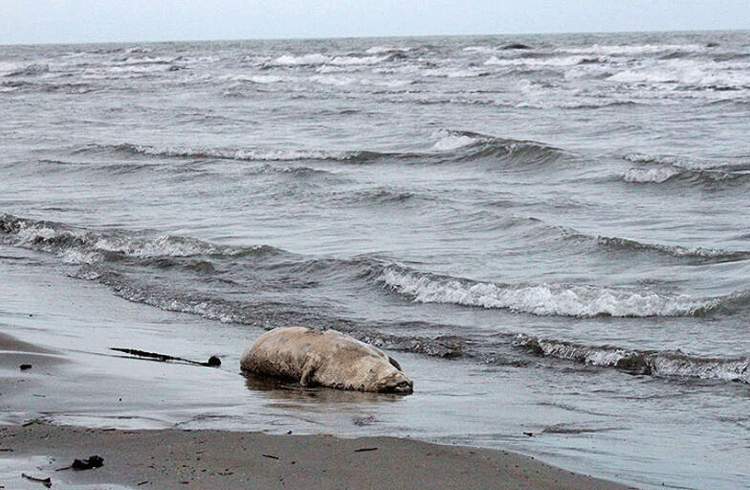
(261, 79)
(542, 299)
(634, 49)
(660, 159)
(682, 73)
(653, 175)
(86, 247)
(307, 59)
(6, 67)
(332, 80)
(321, 59)
(481, 49)
(664, 364)
(454, 72)
(357, 60)
(386, 49)
(146, 61)
(685, 366)
(554, 61)
(453, 142)
(248, 155)
(391, 83)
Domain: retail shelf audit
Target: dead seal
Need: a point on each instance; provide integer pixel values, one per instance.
(324, 358)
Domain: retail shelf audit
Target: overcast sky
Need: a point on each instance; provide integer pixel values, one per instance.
(46, 21)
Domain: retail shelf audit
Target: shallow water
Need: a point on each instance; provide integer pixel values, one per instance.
(569, 216)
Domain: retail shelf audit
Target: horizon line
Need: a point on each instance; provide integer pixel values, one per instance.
(389, 36)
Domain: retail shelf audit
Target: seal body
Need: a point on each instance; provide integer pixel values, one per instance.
(324, 358)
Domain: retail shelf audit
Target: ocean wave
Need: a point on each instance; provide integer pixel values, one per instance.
(231, 154)
(643, 158)
(571, 300)
(457, 145)
(543, 62)
(333, 80)
(655, 175)
(358, 60)
(685, 74)
(31, 70)
(296, 171)
(481, 49)
(387, 50)
(657, 169)
(633, 49)
(470, 146)
(261, 79)
(654, 363)
(266, 314)
(672, 250)
(76, 245)
(379, 195)
(73, 88)
(470, 72)
(671, 173)
(569, 105)
(145, 60)
(307, 59)
(314, 59)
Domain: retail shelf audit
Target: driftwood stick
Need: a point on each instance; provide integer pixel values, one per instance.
(47, 482)
(213, 361)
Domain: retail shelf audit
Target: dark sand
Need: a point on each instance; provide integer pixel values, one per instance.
(217, 459)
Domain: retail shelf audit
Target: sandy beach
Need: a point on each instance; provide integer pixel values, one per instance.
(175, 458)
(216, 459)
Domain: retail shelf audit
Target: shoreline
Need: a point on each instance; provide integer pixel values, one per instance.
(184, 458)
(175, 458)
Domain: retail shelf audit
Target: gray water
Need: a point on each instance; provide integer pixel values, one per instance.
(573, 212)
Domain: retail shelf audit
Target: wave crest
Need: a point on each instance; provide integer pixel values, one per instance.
(654, 363)
(458, 145)
(582, 301)
(76, 245)
(673, 250)
(29, 70)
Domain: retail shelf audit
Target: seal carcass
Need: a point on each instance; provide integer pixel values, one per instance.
(324, 358)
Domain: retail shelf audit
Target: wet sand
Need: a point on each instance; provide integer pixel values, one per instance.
(217, 459)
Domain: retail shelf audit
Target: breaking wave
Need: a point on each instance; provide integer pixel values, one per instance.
(233, 154)
(314, 59)
(76, 245)
(674, 173)
(468, 145)
(457, 145)
(570, 300)
(661, 169)
(654, 363)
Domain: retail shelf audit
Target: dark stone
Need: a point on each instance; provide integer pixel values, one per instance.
(516, 46)
(88, 464)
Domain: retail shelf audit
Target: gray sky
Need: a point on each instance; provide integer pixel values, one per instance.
(45, 21)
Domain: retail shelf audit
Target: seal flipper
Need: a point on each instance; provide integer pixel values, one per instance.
(308, 371)
(394, 363)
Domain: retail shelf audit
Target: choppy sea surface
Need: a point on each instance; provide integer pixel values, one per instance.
(572, 208)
